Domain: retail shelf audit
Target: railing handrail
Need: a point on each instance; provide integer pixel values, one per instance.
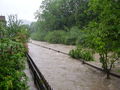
(40, 82)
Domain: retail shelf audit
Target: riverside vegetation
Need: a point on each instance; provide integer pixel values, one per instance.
(91, 24)
(13, 38)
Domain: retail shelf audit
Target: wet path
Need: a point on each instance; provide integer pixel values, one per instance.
(65, 73)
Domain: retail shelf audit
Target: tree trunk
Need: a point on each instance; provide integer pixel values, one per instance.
(108, 74)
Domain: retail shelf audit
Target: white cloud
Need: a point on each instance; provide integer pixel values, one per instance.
(23, 8)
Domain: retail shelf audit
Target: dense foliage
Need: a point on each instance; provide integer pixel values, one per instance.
(12, 55)
(58, 14)
(55, 37)
(61, 15)
(93, 24)
(105, 33)
(71, 37)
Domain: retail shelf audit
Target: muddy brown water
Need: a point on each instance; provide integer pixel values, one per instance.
(65, 73)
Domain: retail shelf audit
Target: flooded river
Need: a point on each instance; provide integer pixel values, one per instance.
(65, 73)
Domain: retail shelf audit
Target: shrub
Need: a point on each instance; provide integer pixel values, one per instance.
(70, 40)
(40, 36)
(80, 53)
(87, 55)
(12, 64)
(12, 56)
(55, 36)
(81, 39)
(69, 37)
(72, 36)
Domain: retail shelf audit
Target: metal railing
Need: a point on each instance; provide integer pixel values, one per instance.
(98, 68)
(39, 79)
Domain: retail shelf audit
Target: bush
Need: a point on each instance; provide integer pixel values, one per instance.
(69, 37)
(70, 40)
(81, 39)
(80, 53)
(40, 36)
(55, 36)
(12, 64)
(72, 36)
(12, 56)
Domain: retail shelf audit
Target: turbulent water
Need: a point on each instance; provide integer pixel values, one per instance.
(65, 73)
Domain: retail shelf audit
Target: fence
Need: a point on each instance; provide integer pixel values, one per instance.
(39, 79)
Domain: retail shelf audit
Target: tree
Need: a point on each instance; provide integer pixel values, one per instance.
(13, 25)
(58, 14)
(104, 34)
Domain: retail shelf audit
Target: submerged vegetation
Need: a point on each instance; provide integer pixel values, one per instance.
(92, 24)
(80, 53)
(13, 38)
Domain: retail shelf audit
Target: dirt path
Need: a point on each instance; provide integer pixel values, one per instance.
(65, 73)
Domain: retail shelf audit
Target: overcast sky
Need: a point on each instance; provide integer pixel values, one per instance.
(23, 8)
